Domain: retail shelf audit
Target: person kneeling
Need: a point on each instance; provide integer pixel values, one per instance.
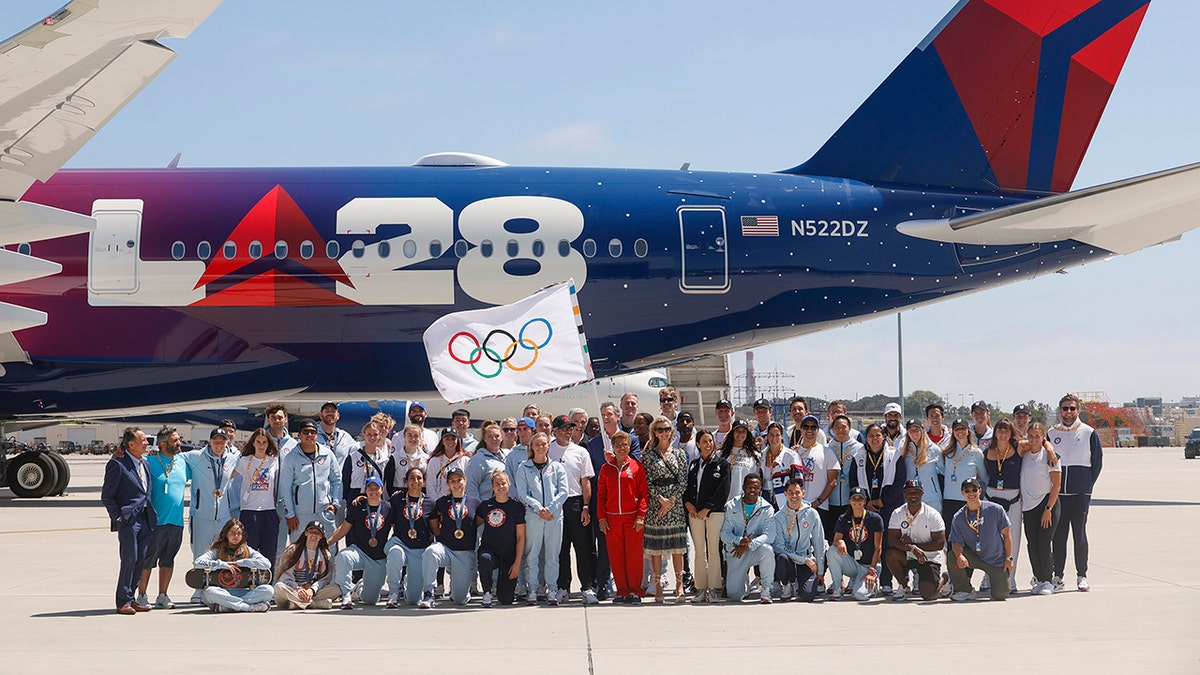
(981, 540)
(230, 552)
(798, 540)
(916, 536)
(453, 526)
(367, 523)
(857, 546)
(306, 572)
(746, 534)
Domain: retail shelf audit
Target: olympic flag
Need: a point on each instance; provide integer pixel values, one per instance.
(531, 346)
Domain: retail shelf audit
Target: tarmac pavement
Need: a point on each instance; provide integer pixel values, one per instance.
(1141, 615)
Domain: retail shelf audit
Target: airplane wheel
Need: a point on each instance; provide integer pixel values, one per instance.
(64, 474)
(32, 475)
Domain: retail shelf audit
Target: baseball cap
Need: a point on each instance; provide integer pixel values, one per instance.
(893, 408)
(685, 414)
(859, 492)
(738, 422)
(373, 480)
(1021, 408)
(227, 423)
(314, 525)
(810, 417)
(526, 422)
(307, 425)
(912, 485)
(762, 403)
(959, 423)
(912, 422)
(724, 403)
(973, 481)
(563, 422)
(979, 405)
(449, 431)
(416, 404)
(455, 471)
(328, 404)
(218, 432)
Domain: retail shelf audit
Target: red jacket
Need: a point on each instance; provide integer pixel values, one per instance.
(623, 492)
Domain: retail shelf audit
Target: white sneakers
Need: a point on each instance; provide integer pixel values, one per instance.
(487, 599)
(589, 597)
(163, 602)
(1058, 583)
(785, 593)
(426, 601)
(259, 607)
(1082, 584)
(142, 599)
(960, 596)
(900, 594)
(1042, 588)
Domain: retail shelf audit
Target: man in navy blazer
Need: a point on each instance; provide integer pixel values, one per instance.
(126, 496)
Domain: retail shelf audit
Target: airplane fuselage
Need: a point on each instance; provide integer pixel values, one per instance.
(203, 281)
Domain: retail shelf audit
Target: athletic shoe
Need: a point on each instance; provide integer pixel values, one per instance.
(532, 599)
(700, 597)
(348, 604)
(755, 585)
(945, 588)
(689, 582)
(1082, 584)
(635, 599)
(887, 590)
(426, 600)
(487, 599)
(1044, 588)
(163, 602)
(1033, 582)
(785, 593)
(589, 597)
(439, 592)
(835, 596)
(259, 607)
(196, 597)
(821, 587)
(765, 598)
(602, 594)
(356, 592)
(142, 599)
(217, 609)
(322, 604)
(393, 601)
(960, 596)
(541, 592)
(1058, 584)
(900, 595)
(716, 595)
(553, 598)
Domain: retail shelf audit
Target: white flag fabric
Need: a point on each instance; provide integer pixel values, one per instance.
(533, 345)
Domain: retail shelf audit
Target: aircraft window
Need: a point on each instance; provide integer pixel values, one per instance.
(589, 248)
(460, 248)
(486, 248)
(657, 382)
(435, 248)
(281, 249)
(332, 250)
(178, 250)
(385, 249)
(203, 250)
(641, 248)
(256, 250)
(564, 248)
(614, 248)
(358, 248)
(539, 248)
(512, 248)
(23, 248)
(229, 250)
(306, 249)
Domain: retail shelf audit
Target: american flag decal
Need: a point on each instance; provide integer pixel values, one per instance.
(760, 226)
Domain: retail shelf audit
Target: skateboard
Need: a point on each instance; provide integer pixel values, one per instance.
(235, 577)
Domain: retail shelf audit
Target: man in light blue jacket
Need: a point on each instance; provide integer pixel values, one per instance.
(746, 534)
(310, 482)
(213, 501)
(799, 543)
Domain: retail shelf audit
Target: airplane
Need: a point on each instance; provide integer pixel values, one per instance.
(207, 288)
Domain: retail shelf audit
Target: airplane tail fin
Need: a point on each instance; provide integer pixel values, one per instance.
(1001, 95)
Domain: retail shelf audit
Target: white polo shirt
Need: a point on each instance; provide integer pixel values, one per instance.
(920, 528)
(579, 466)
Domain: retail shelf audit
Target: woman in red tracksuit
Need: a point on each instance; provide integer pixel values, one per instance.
(621, 507)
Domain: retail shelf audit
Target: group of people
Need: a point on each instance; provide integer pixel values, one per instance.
(795, 512)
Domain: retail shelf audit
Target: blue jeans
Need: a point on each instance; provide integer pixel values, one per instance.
(374, 571)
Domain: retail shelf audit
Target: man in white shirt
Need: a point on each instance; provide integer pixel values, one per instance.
(935, 428)
(893, 429)
(1081, 458)
(577, 533)
(340, 441)
(981, 431)
(724, 421)
(916, 537)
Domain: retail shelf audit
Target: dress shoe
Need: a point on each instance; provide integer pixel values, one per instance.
(126, 609)
(139, 608)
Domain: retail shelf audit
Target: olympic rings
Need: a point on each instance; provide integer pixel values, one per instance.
(482, 349)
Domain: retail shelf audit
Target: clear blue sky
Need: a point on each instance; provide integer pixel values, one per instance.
(757, 86)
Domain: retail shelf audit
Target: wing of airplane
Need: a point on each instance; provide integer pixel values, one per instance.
(65, 77)
(1121, 217)
(60, 81)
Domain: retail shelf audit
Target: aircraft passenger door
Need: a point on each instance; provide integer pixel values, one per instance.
(704, 250)
(113, 246)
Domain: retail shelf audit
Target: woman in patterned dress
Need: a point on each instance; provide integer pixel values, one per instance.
(666, 520)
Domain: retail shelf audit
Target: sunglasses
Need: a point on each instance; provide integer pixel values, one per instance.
(508, 430)
(968, 490)
(809, 427)
(1068, 408)
(666, 400)
(664, 430)
(308, 432)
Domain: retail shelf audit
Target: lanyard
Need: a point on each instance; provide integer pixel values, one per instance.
(974, 525)
(412, 513)
(1001, 457)
(167, 469)
(457, 509)
(746, 518)
(330, 439)
(373, 520)
(792, 524)
(858, 530)
(218, 470)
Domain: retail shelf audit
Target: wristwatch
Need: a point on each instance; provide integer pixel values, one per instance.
(1009, 558)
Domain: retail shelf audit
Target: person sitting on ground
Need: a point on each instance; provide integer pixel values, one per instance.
(306, 572)
(231, 552)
